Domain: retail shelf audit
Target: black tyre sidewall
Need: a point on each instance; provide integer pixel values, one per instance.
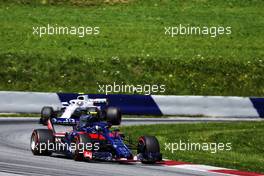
(46, 114)
(148, 144)
(42, 137)
(113, 116)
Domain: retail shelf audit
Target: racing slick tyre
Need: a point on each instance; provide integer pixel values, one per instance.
(149, 149)
(41, 141)
(113, 115)
(80, 143)
(46, 114)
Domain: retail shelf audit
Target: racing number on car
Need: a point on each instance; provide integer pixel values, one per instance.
(88, 154)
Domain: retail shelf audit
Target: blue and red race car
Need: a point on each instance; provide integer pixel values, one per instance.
(82, 131)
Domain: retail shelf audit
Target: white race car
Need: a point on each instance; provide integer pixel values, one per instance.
(74, 108)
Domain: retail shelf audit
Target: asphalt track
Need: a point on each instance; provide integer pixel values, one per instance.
(17, 159)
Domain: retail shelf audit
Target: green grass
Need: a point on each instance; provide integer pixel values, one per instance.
(18, 115)
(134, 32)
(181, 76)
(246, 138)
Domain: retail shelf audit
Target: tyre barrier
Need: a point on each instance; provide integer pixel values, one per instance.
(217, 106)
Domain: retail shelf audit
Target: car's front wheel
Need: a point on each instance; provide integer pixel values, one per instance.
(113, 116)
(149, 149)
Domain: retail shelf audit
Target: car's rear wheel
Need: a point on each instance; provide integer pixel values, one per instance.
(41, 141)
(149, 149)
(46, 113)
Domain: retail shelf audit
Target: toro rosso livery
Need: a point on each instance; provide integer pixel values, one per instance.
(82, 131)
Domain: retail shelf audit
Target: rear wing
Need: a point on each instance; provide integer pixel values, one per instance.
(61, 126)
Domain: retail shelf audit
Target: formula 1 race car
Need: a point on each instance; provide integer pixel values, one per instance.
(82, 131)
